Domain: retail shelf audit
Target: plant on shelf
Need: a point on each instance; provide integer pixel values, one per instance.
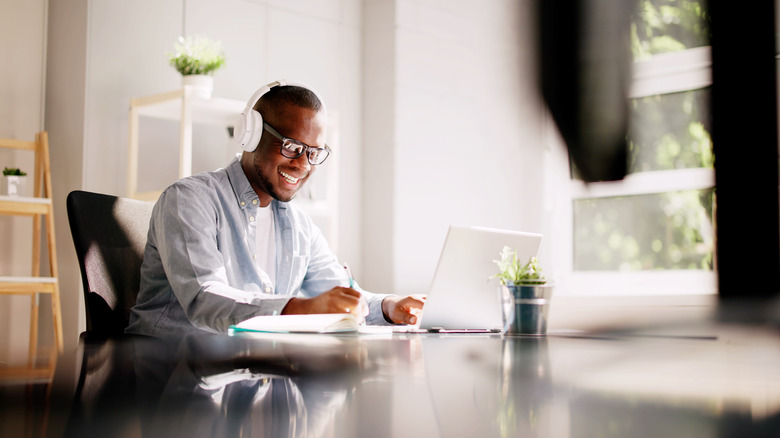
(197, 55)
(512, 271)
(13, 181)
(13, 171)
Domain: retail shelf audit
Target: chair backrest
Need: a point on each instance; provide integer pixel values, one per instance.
(109, 234)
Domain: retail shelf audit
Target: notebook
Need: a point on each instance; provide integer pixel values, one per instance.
(464, 294)
(317, 323)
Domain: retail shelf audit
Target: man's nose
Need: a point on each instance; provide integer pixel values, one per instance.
(302, 162)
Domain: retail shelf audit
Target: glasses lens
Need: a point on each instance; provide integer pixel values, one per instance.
(317, 155)
(291, 149)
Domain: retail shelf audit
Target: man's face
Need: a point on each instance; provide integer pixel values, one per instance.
(274, 176)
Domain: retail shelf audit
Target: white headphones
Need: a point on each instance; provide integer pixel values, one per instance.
(249, 127)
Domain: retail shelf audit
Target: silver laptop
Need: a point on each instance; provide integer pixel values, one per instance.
(464, 292)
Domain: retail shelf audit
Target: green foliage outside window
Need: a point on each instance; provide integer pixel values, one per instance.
(661, 26)
(668, 132)
(645, 232)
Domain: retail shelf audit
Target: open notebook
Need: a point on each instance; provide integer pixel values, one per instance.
(319, 323)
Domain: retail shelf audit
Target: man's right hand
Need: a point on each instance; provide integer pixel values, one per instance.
(336, 300)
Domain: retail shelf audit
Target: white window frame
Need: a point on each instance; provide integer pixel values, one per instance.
(662, 74)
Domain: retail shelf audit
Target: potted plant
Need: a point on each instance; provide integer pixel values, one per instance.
(525, 293)
(14, 181)
(197, 58)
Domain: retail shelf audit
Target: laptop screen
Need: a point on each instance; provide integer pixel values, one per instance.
(464, 294)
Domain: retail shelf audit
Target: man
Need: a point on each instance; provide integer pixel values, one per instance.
(224, 246)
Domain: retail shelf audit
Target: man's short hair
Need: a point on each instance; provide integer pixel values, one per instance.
(292, 94)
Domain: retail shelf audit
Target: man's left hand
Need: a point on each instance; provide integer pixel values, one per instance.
(403, 310)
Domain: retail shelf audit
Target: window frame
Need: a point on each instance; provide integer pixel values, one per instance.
(674, 72)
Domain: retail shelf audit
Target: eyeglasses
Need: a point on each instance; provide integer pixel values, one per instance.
(293, 148)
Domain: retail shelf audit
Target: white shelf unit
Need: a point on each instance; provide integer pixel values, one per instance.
(178, 105)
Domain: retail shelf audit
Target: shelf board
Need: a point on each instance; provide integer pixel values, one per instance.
(21, 205)
(25, 199)
(167, 106)
(22, 285)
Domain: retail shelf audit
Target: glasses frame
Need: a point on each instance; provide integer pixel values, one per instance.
(305, 150)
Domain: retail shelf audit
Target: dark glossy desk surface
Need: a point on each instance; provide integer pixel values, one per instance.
(711, 380)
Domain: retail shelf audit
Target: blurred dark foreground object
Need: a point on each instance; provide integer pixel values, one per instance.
(585, 74)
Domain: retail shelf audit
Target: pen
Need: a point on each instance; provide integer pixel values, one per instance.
(363, 302)
(349, 275)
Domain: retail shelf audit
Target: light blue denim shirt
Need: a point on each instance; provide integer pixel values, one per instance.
(199, 272)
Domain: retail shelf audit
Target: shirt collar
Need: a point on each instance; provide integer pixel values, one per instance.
(245, 194)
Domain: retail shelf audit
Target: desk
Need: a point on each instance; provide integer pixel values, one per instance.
(723, 381)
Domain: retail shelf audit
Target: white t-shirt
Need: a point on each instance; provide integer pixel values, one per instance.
(265, 243)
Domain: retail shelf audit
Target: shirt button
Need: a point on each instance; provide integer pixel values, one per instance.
(267, 290)
(254, 201)
(251, 218)
(243, 203)
(254, 256)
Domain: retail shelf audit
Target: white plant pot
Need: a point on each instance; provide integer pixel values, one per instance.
(14, 185)
(202, 85)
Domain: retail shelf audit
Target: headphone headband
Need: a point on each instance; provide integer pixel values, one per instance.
(249, 128)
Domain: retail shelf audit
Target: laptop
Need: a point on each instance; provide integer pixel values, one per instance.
(464, 292)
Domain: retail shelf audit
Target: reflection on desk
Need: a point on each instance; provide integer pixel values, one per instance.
(618, 384)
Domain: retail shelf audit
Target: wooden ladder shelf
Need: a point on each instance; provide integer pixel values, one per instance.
(38, 206)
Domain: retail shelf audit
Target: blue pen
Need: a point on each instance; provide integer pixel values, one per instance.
(363, 302)
(349, 275)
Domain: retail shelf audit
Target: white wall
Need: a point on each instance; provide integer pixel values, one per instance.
(322, 51)
(22, 65)
(453, 130)
(66, 78)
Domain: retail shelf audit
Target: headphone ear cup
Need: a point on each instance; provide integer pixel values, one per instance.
(239, 131)
(251, 130)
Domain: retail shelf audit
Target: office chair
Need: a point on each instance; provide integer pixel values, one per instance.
(109, 234)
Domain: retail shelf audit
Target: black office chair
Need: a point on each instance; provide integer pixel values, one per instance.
(109, 234)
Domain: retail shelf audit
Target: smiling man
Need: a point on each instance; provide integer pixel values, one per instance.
(227, 245)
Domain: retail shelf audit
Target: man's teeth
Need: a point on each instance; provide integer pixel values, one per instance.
(289, 178)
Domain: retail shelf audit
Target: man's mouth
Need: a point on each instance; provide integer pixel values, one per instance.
(289, 178)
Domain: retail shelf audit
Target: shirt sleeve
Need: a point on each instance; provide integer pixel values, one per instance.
(185, 230)
(324, 272)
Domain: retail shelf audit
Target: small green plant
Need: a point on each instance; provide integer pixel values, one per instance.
(512, 271)
(13, 171)
(198, 55)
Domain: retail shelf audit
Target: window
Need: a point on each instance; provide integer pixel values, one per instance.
(653, 233)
